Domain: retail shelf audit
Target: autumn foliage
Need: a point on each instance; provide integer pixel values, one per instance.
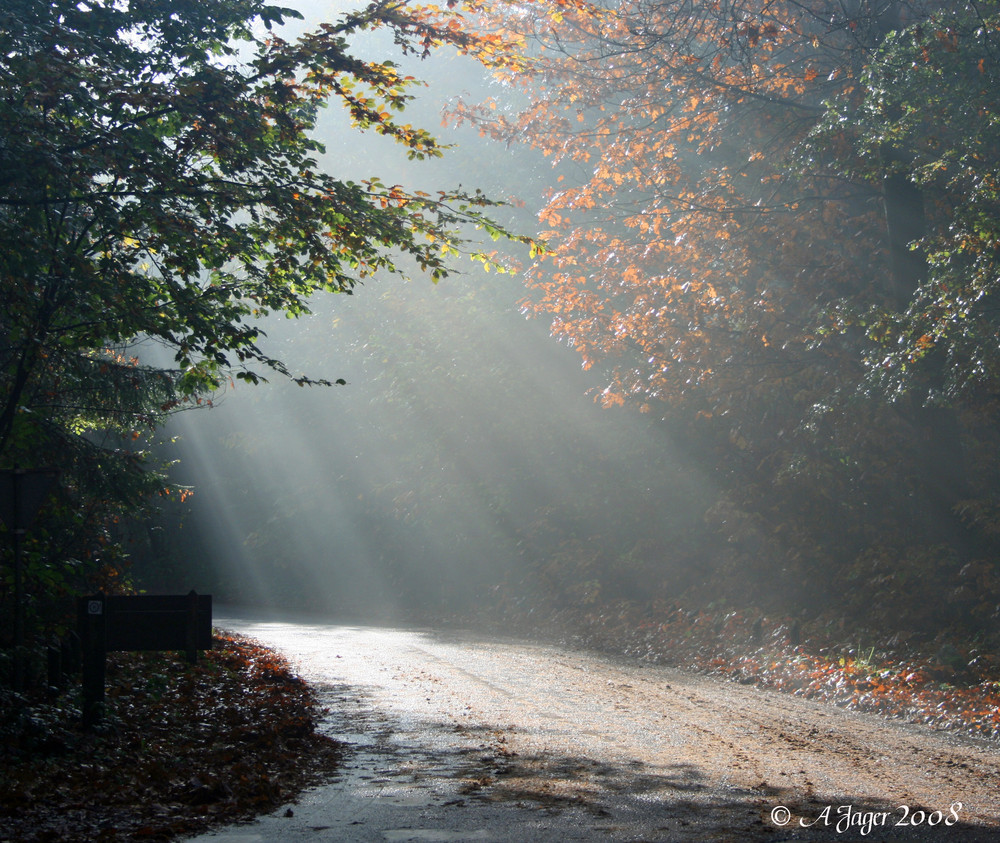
(944, 688)
(773, 225)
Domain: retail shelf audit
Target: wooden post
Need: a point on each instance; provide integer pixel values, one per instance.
(93, 625)
(70, 645)
(191, 627)
(19, 643)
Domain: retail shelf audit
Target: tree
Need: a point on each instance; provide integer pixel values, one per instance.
(925, 128)
(160, 188)
(929, 119)
(720, 254)
(692, 240)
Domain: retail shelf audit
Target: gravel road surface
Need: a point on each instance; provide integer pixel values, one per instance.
(455, 736)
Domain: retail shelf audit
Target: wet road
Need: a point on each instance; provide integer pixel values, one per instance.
(459, 737)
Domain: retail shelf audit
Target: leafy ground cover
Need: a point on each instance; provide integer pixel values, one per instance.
(181, 748)
(947, 684)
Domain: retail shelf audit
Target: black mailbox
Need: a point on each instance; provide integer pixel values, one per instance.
(143, 622)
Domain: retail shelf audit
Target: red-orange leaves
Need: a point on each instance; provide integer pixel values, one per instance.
(685, 122)
(963, 696)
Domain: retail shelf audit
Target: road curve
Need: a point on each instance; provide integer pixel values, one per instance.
(456, 736)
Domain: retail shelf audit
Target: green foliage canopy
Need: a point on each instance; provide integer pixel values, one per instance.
(159, 180)
(160, 185)
(930, 115)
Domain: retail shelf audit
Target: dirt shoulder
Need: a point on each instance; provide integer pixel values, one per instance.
(951, 684)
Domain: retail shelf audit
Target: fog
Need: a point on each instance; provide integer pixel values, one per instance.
(464, 463)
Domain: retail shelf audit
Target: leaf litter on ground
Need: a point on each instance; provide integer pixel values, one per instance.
(181, 748)
(951, 685)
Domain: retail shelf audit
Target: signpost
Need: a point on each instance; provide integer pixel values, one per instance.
(144, 622)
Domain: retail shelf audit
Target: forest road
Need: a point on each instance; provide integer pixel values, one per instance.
(454, 737)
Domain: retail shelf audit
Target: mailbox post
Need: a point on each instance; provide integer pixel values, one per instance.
(93, 647)
(144, 622)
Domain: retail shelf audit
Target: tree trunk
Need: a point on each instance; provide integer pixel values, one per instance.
(941, 465)
(904, 219)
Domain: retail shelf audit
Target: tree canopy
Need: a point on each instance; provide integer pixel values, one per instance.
(160, 191)
(773, 223)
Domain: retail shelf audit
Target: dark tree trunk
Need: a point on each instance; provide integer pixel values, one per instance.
(904, 219)
(941, 465)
